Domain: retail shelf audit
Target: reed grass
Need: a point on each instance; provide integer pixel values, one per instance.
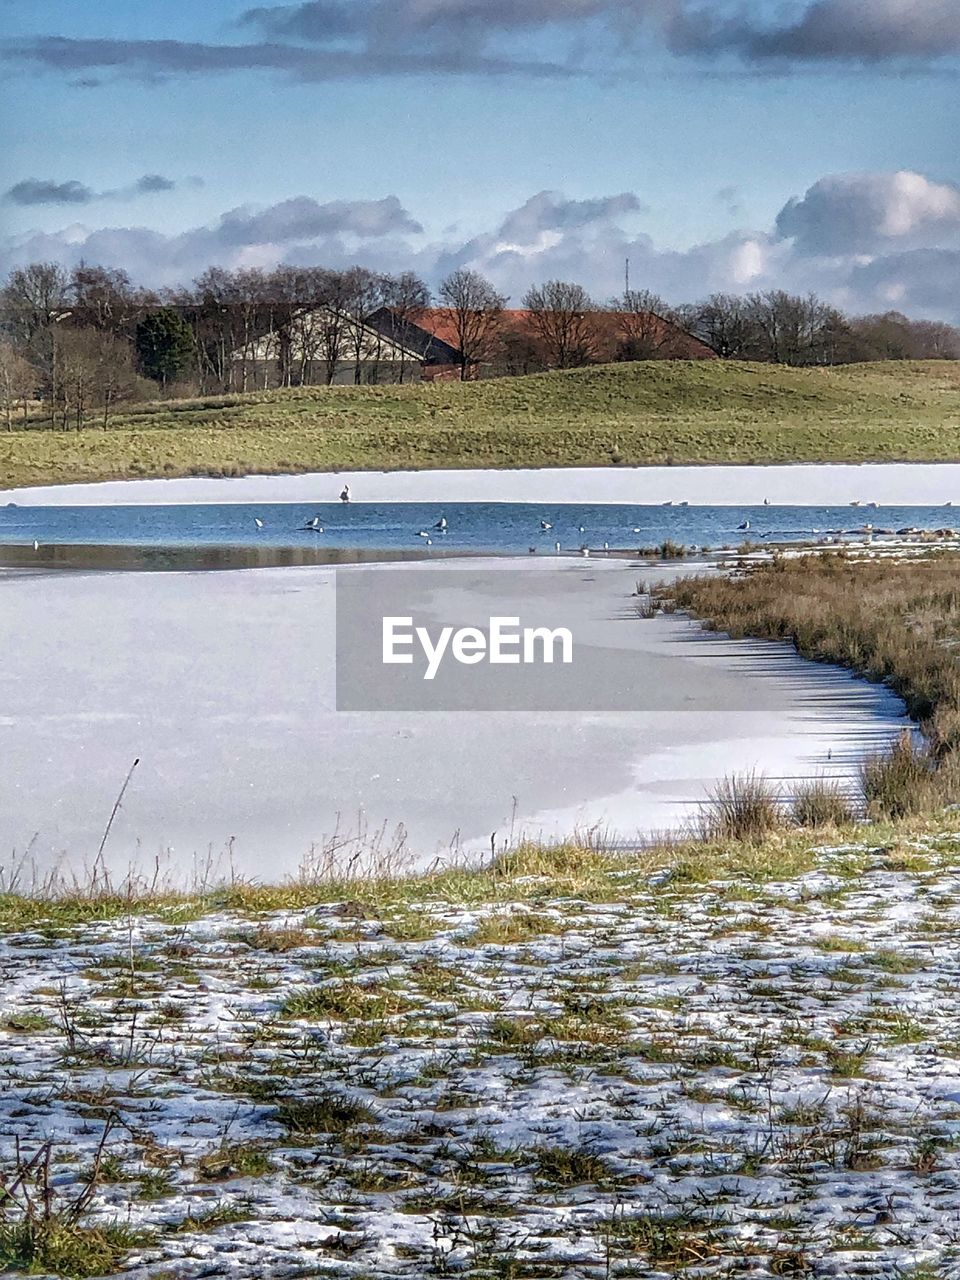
(822, 802)
(741, 807)
(895, 623)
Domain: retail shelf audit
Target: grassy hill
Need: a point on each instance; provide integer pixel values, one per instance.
(655, 412)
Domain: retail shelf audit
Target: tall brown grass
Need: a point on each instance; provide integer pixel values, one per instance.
(895, 622)
(822, 802)
(741, 807)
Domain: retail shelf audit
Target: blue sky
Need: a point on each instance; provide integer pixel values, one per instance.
(460, 111)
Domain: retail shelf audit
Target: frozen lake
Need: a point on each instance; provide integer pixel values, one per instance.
(909, 484)
(222, 684)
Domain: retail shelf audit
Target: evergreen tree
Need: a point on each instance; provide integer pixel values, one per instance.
(164, 345)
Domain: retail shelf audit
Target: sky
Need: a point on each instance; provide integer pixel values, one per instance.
(718, 145)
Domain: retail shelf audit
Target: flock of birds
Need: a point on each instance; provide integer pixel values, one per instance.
(440, 527)
(314, 526)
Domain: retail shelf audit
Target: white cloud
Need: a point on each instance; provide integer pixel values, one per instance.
(865, 212)
(863, 241)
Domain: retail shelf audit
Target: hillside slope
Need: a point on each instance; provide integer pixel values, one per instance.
(654, 412)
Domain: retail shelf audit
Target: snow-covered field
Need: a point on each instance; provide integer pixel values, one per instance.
(647, 1073)
(808, 485)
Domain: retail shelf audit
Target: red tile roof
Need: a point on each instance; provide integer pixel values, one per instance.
(607, 331)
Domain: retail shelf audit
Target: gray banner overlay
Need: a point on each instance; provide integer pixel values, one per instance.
(425, 617)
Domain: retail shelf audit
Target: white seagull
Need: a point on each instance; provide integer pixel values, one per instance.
(544, 525)
(556, 546)
(314, 524)
(745, 525)
(423, 534)
(258, 522)
(441, 524)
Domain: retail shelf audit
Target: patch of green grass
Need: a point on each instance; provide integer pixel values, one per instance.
(234, 1160)
(668, 1242)
(324, 1113)
(518, 926)
(66, 1248)
(156, 1184)
(345, 1001)
(890, 961)
(571, 1166)
(846, 1063)
(218, 1215)
(278, 939)
(837, 942)
(25, 1022)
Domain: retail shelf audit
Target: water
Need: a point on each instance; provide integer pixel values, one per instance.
(472, 528)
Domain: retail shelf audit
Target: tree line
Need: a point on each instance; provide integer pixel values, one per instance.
(83, 341)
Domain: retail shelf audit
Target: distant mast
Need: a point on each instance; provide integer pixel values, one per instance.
(626, 280)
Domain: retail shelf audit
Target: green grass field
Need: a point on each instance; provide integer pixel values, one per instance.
(654, 412)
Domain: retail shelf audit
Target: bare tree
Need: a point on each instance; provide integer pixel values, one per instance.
(115, 379)
(18, 381)
(560, 314)
(787, 329)
(723, 324)
(93, 371)
(406, 295)
(32, 301)
(333, 320)
(106, 299)
(476, 310)
(893, 336)
(646, 329)
(75, 371)
(935, 340)
(366, 291)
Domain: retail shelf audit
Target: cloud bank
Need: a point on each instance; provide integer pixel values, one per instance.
(324, 40)
(46, 191)
(865, 241)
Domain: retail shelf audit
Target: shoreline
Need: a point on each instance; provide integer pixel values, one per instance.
(823, 484)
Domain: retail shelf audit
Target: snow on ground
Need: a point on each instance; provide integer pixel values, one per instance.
(657, 1076)
(808, 485)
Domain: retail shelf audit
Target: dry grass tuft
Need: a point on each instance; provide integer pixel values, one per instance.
(901, 781)
(743, 807)
(822, 803)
